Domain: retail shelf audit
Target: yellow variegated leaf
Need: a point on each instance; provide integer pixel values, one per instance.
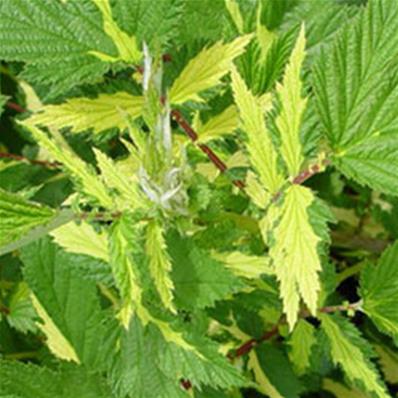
(346, 351)
(233, 9)
(292, 108)
(263, 383)
(160, 263)
(294, 254)
(125, 184)
(56, 341)
(220, 125)
(206, 69)
(99, 114)
(85, 176)
(262, 153)
(244, 265)
(301, 342)
(340, 390)
(122, 245)
(256, 192)
(82, 238)
(265, 102)
(127, 46)
(269, 221)
(265, 38)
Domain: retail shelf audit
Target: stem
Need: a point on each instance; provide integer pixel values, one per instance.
(246, 347)
(193, 135)
(15, 107)
(18, 158)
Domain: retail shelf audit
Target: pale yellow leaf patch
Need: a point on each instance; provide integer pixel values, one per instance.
(259, 196)
(206, 70)
(160, 264)
(233, 9)
(294, 254)
(262, 153)
(220, 125)
(99, 114)
(84, 175)
(82, 239)
(126, 45)
(293, 106)
(56, 341)
(244, 265)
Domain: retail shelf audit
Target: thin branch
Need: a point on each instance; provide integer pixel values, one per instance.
(19, 158)
(15, 107)
(246, 347)
(193, 135)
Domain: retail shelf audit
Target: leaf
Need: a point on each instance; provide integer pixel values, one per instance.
(379, 292)
(123, 247)
(301, 341)
(356, 87)
(199, 279)
(292, 106)
(262, 153)
(220, 125)
(263, 383)
(244, 265)
(120, 180)
(27, 380)
(206, 70)
(22, 315)
(46, 33)
(80, 114)
(82, 238)
(160, 365)
(126, 45)
(84, 175)
(69, 307)
(3, 101)
(63, 217)
(274, 365)
(18, 216)
(294, 253)
(160, 263)
(351, 352)
(155, 22)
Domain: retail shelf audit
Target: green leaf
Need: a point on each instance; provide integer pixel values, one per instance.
(160, 365)
(155, 22)
(84, 175)
(352, 353)
(69, 307)
(262, 153)
(160, 263)
(356, 87)
(292, 106)
(301, 341)
(80, 114)
(21, 380)
(22, 315)
(206, 70)
(379, 292)
(199, 279)
(295, 255)
(46, 33)
(19, 216)
(123, 248)
(277, 376)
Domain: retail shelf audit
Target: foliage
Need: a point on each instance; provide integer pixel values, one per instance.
(197, 198)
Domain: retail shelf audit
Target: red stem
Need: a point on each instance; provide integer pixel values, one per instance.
(53, 165)
(193, 135)
(15, 107)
